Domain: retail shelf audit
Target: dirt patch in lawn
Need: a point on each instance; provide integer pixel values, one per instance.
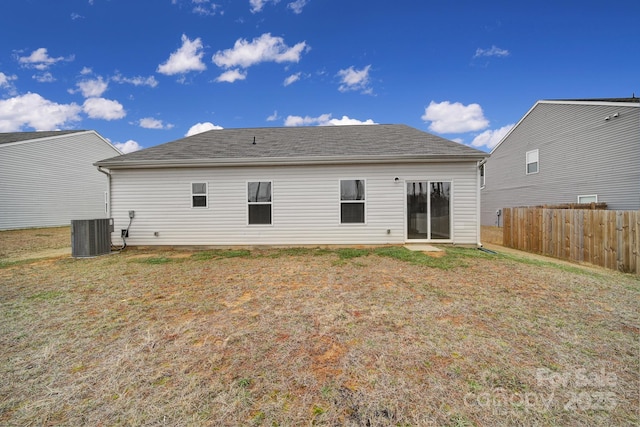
(317, 337)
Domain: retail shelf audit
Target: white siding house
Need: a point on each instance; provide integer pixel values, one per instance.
(48, 178)
(370, 185)
(567, 151)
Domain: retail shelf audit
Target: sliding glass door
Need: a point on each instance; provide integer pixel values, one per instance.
(429, 210)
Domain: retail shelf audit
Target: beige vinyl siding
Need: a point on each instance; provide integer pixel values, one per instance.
(306, 204)
(50, 181)
(579, 153)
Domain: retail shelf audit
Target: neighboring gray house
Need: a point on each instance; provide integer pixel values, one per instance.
(48, 178)
(380, 184)
(567, 151)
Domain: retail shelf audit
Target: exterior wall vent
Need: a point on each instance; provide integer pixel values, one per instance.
(91, 237)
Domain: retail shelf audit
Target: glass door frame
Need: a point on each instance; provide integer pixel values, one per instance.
(407, 214)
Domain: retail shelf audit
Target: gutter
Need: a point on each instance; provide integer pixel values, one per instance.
(279, 161)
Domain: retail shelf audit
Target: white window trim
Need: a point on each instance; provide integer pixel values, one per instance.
(205, 194)
(527, 162)
(483, 175)
(588, 195)
(246, 189)
(340, 202)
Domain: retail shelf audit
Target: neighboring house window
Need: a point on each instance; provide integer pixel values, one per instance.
(352, 201)
(532, 162)
(260, 201)
(199, 195)
(482, 174)
(592, 198)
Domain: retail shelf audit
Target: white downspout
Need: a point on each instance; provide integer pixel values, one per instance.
(108, 189)
(478, 209)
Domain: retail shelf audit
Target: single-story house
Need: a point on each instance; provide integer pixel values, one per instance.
(48, 179)
(567, 151)
(364, 185)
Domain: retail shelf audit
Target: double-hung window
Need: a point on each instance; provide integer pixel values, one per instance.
(199, 195)
(352, 201)
(259, 202)
(532, 162)
(482, 174)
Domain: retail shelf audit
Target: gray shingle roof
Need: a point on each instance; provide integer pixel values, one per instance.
(6, 138)
(298, 145)
(632, 100)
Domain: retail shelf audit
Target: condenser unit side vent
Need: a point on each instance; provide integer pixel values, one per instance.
(91, 237)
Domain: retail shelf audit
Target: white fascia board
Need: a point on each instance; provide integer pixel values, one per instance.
(604, 103)
(283, 161)
(46, 138)
(513, 128)
(66, 135)
(106, 142)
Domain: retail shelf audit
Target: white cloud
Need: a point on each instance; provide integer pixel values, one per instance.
(231, 76)
(206, 8)
(345, 120)
(6, 82)
(128, 147)
(273, 117)
(492, 51)
(490, 138)
(354, 80)
(40, 59)
(306, 121)
(257, 5)
(292, 79)
(265, 48)
(202, 127)
(85, 71)
(446, 117)
(33, 111)
(92, 88)
(136, 81)
(101, 108)
(75, 16)
(297, 6)
(187, 58)
(44, 77)
(324, 120)
(151, 123)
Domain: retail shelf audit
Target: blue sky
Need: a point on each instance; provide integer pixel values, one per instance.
(146, 72)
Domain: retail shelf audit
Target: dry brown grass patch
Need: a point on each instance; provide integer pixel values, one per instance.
(491, 235)
(20, 243)
(326, 338)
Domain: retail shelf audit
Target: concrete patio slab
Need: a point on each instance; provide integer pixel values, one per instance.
(423, 248)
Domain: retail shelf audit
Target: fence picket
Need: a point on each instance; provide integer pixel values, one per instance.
(607, 238)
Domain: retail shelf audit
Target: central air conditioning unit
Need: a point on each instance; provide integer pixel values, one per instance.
(91, 237)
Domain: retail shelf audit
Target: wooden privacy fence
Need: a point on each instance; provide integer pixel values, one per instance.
(606, 238)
